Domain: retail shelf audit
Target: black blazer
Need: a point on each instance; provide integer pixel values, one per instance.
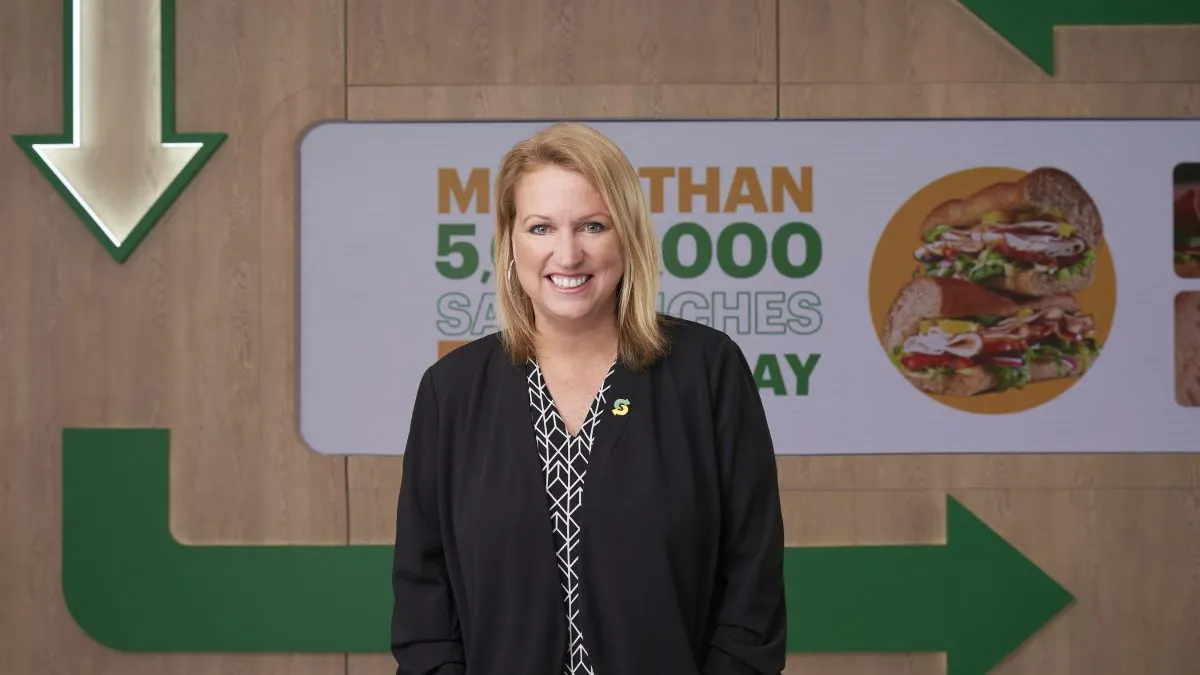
(682, 532)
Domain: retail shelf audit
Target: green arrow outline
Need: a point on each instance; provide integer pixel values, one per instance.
(975, 597)
(130, 585)
(209, 142)
(1029, 26)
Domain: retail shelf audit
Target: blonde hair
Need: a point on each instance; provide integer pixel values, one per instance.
(580, 148)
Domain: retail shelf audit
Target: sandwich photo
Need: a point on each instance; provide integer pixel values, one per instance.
(1036, 236)
(1187, 232)
(953, 337)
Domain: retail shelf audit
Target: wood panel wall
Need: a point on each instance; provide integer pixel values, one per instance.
(196, 331)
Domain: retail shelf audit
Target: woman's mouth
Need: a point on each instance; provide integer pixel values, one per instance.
(569, 283)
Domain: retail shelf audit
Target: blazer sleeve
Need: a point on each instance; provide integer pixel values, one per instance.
(749, 620)
(425, 635)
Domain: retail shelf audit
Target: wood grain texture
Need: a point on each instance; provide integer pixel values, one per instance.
(189, 333)
(29, 465)
(527, 42)
(1013, 99)
(241, 471)
(1130, 558)
(901, 41)
(512, 102)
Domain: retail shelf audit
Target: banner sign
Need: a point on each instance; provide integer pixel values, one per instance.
(897, 286)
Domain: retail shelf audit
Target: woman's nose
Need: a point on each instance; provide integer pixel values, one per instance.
(568, 250)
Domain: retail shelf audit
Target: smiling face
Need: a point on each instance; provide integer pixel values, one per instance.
(567, 249)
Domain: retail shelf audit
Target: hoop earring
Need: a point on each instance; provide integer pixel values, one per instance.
(514, 289)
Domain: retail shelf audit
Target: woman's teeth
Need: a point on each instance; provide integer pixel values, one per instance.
(569, 282)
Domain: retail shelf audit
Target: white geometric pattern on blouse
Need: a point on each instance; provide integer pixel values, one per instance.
(564, 465)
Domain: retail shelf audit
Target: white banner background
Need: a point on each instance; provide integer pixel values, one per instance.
(369, 289)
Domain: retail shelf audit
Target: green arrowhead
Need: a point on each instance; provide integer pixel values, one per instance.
(977, 598)
(119, 162)
(131, 586)
(1029, 24)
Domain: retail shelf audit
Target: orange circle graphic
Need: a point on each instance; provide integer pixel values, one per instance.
(895, 266)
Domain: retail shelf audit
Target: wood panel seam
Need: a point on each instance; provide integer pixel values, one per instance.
(562, 85)
(778, 64)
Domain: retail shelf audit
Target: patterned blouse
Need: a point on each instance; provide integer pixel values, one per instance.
(564, 464)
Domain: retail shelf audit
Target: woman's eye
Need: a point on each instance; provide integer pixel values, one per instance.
(538, 229)
(594, 227)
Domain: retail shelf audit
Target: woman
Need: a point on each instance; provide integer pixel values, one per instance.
(592, 490)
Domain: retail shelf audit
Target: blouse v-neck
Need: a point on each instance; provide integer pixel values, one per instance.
(564, 459)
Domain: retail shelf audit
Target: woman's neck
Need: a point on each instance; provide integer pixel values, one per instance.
(578, 342)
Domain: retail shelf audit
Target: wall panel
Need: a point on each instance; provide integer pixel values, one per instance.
(197, 331)
(902, 41)
(407, 42)
(699, 101)
(193, 332)
(1006, 99)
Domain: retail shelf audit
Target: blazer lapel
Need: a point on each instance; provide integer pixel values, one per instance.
(516, 405)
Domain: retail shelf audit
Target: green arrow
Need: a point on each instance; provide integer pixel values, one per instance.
(977, 598)
(131, 586)
(1029, 24)
(119, 162)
